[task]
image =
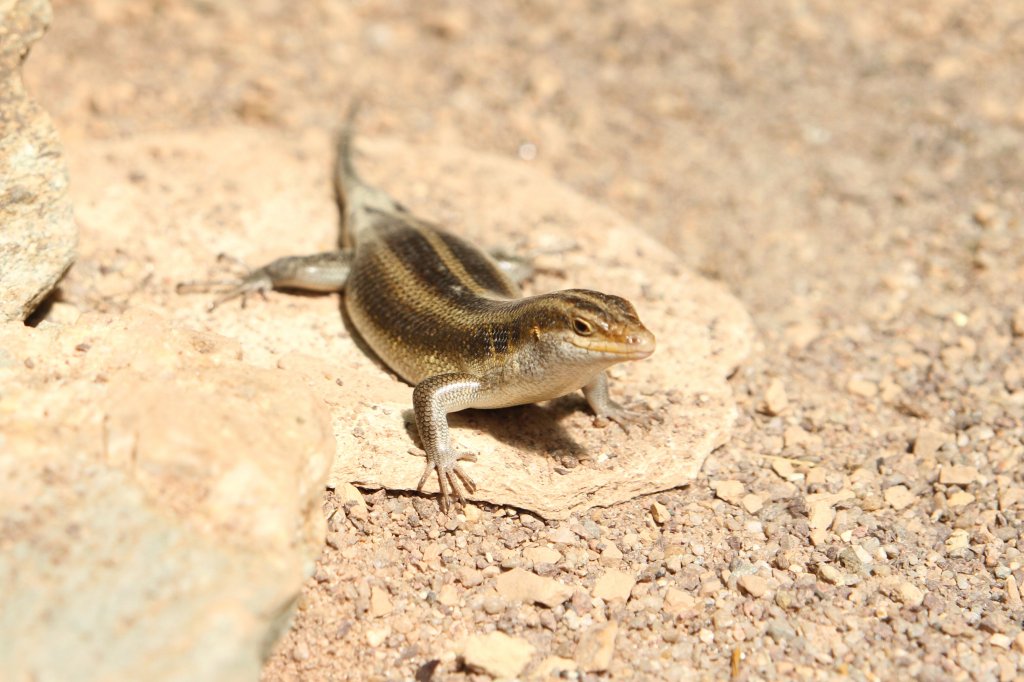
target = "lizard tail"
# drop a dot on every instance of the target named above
(345, 175)
(360, 204)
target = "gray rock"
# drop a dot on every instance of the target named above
(38, 236)
(160, 502)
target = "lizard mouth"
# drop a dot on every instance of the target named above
(633, 346)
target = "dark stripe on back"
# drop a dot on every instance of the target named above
(408, 295)
(479, 266)
(429, 269)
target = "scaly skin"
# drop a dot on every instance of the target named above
(444, 316)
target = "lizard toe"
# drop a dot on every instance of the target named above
(627, 418)
(451, 479)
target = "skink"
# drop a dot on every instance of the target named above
(447, 318)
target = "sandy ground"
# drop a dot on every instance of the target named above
(851, 170)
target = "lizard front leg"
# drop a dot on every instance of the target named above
(596, 393)
(432, 399)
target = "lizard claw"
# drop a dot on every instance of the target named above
(251, 282)
(449, 477)
(255, 283)
(626, 418)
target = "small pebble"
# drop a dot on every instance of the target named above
(614, 584)
(752, 503)
(754, 585)
(470, 577)
(928, 442)
(376, 636)
(728, 491)
(1017, 324)
(542, 555)
(493, 605)
(797, 437)
(780, 630)
(960, 499)
(830, 574)
(497, 654)
(677, 600)
(1000, 640)
(380, 602)
(958, 540)
(1013, 599)
(958, 475)
(350, 496)
(820, 515)
(597, 647)
(910, 594)
(862, 387)
(899, 497)
(775, 399)
(984, 213)
(448, 595)
(562, 536)
(659, 513)
(994, 622)
(611, 552)
(520, 585)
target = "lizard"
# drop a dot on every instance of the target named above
(451, 321)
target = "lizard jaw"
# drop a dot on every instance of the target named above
(636, 345)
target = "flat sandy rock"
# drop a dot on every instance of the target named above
(157, 210)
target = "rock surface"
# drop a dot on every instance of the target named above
(173, 205)
(147, 476)
(37, 230)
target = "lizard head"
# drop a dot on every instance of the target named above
(589, 326)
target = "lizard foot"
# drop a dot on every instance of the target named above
(521, 267)
(643, 417)
(249, 282)
(449, 476)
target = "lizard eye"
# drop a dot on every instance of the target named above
(582, 327)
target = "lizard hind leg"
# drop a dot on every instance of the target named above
(522, 267)
(247, 281)
(323, 272)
